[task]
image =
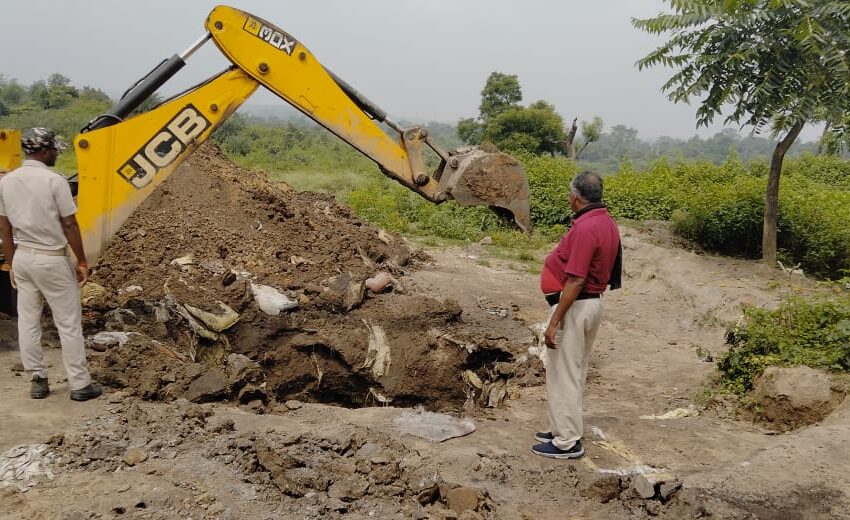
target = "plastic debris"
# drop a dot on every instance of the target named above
(215, 322)
(436, 427)
(378, 353)
(491, 308)
(110, 339)
(22, 467)
(678, 413)
(272, 301)
(379, 282)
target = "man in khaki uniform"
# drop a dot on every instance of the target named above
(36, 203)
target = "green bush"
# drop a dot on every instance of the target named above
(814, 333)
(724, 217)
(649, 195)
(721, 207)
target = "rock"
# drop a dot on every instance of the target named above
(653, 508)
(131, 291)
(135, 456)
(209, 386)
(92, 294)
(117, 397)
(603, 489)
(792, 397)
(335, 504)
(462, 499)
(643, 486)
(215, 508)
(486, 241)
(228, 279)
(105, 451)
(349, 488)
(221, 425)
(648, 485)
(471, 515)
(668, 489)
(343, 293)
(240, 368)
(293, 404)
(370, 450)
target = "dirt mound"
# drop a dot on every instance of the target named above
(787, 398)
(219, 261)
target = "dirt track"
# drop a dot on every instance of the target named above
(353, 463)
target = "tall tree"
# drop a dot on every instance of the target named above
(590, 133)
(500, 92)
(537, 129)
(773, 63)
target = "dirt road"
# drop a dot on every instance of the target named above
(212, 460)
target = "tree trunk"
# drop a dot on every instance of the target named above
(771, 199)
(581, 150)
(822, 143)
(570, 142)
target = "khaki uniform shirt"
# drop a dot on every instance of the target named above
(33, 198)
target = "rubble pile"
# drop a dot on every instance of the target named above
(220, 261)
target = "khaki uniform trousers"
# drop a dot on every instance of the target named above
(42, 277)
(566, 370)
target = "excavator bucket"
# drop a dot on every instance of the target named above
(481, 177)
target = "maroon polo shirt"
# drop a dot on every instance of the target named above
(587, 251)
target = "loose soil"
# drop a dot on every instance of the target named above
(246, 449)
(232, 228)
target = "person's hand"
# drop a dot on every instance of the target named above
(549, 337)
(82, 273)
(12, 279)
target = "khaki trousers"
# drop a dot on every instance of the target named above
(566, 370)
(52, 278)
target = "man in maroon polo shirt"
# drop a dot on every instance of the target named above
(575, 274)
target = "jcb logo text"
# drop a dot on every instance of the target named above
(165, 147)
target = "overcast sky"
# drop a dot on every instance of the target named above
(420, 60)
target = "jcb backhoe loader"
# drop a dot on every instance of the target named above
(120, 161)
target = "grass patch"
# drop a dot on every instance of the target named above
(812, 331)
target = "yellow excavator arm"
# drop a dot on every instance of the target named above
(10, 150)
(121, 161)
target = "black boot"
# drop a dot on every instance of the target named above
(84, 394)
(39, 388)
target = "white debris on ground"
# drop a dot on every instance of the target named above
(270, 300)
(678, 413)
(436, 427)
(22, 467)
(110, 338)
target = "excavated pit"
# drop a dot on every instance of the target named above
(190, 259)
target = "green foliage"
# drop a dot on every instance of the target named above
(641, 196)
(814, 333)
(549, 182)
(769, 61)
(500, 92)
(389, 205)
(724, 217)
(721, 207)
(537, 129)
